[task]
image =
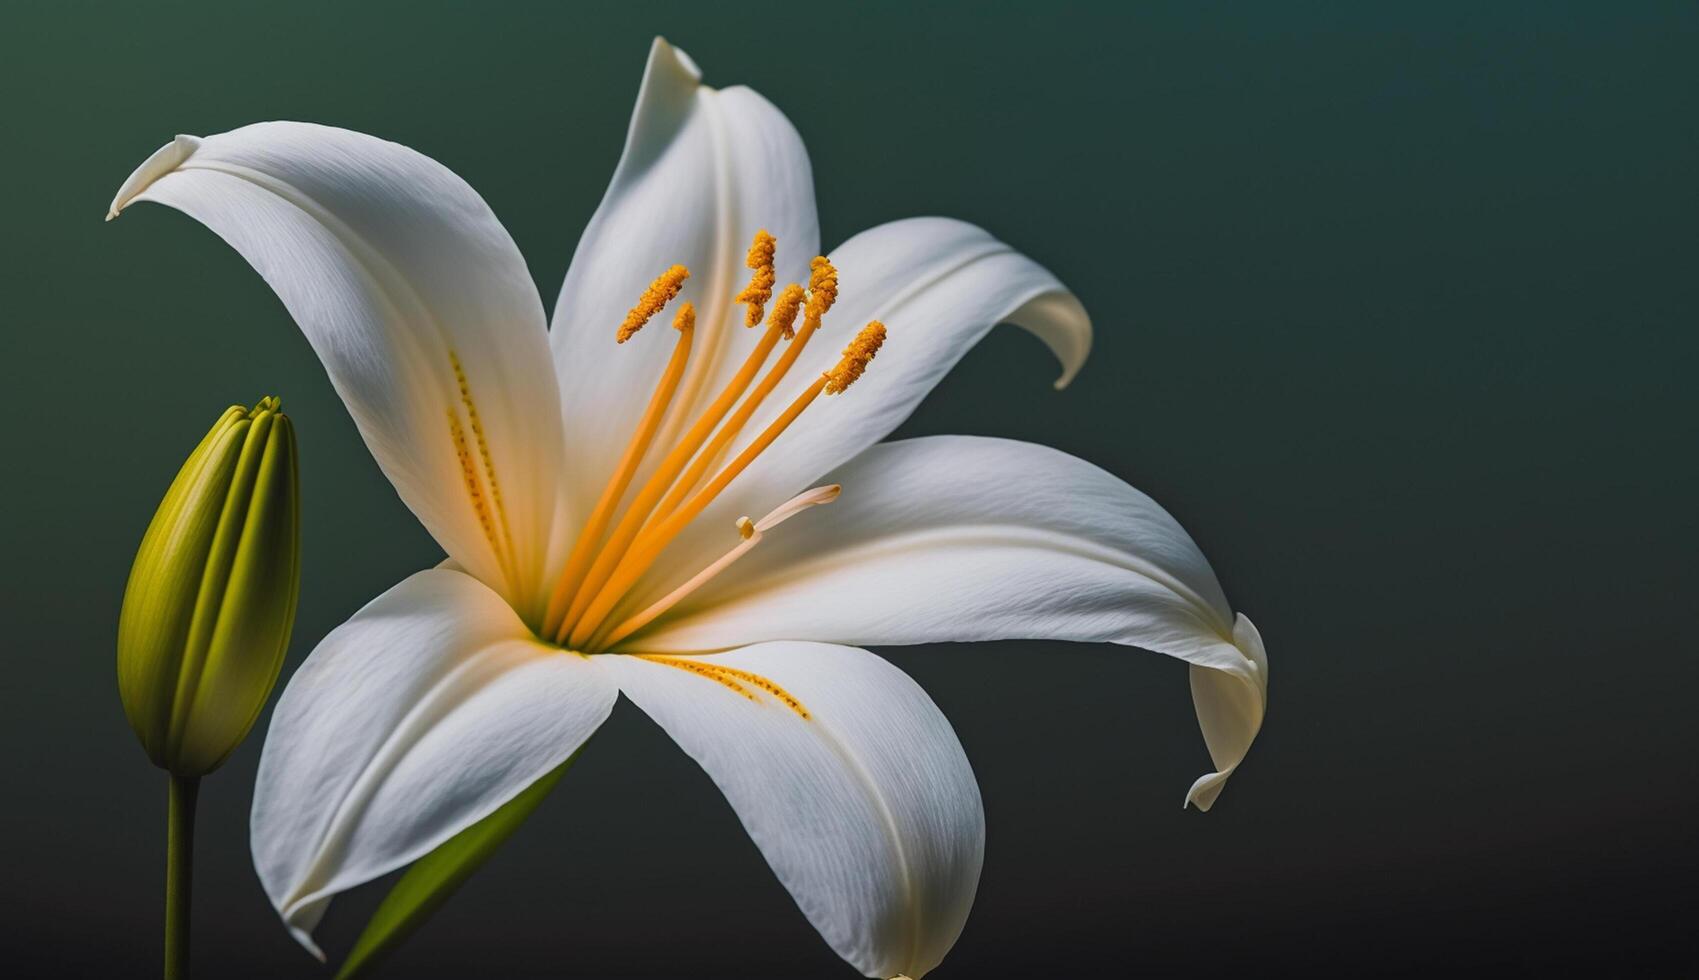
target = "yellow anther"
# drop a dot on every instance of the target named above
(822, 289)
(659, 294)
(745, 527)
(686, 319)
(860, 350)
(784, 311)
(760, 288)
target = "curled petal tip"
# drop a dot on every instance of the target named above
(164, 160)
(1231, 701)
(1070, 371)
(1204, 792)
(1063, 324)
(1071, 367)
(663, 48)
(305, 938)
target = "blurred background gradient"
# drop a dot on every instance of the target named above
(1396, 311)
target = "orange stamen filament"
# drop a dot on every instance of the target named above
(822, 293)
(648, 547)
(644, 552)
(605, 565)
(584, 548)
(626, 530)
(785, 312)
(751, 533)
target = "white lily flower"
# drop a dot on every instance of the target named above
(589, 496)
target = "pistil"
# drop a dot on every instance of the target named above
(750, 531)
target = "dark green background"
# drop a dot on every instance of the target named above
(1395, 310)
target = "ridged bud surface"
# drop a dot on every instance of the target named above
(211, 597)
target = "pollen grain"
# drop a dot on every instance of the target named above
(862, 349)
(760, 288)
(659, 294)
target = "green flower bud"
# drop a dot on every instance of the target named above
(212, 593)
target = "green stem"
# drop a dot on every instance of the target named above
(179, 871)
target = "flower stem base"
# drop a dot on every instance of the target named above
(179, 872)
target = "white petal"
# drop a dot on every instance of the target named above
(418, 717)
(963, 538)
(938, 285)
(866, 809)
(702, 171)
(1230, 706)
(393, 267)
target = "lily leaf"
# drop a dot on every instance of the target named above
(435, 877)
